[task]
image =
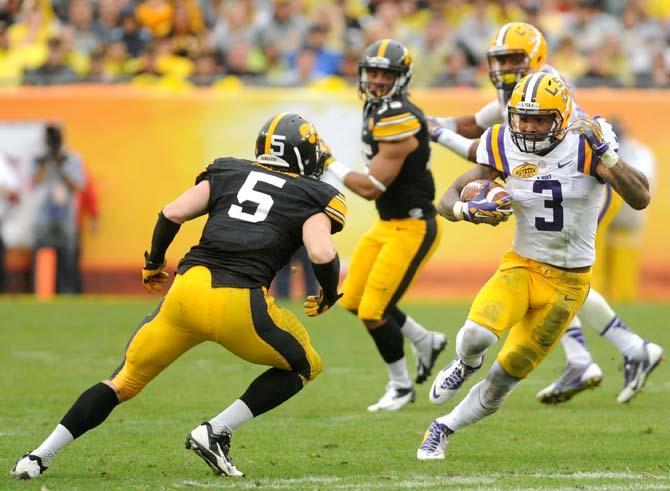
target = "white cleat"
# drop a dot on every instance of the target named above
(435, 442)
(213, 449)
(637, 371)
(573, 380)
(28, 467)
(393, 399)
(449, 380)
(426, 351)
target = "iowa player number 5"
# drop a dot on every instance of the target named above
(247, 193)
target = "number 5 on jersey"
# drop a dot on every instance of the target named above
(247, 193)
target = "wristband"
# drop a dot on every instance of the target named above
(455, 142)
(459, 209)
(609, 159)
(328, 276)
(339, 170)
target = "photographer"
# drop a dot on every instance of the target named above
(58, 176)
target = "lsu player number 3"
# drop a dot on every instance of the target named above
(554, 174)
(259, 213)
(387, 258)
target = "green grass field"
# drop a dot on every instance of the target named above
(323, 438)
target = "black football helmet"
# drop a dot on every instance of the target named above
(289, 142)
(386, 54)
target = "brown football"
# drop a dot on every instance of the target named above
(493, 190)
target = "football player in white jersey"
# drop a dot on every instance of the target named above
(554, 174)
(516, 50)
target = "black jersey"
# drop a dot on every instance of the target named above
(255, 221)
(412, 192)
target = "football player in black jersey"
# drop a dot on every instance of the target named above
(259, 213)
(397, 149)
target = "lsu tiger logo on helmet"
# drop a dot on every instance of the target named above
(515, 50)
(539, 110)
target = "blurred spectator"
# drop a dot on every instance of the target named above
(206, 71)
(81, 19)
(570, 63)
(297, 42)
(457, 72)
(11, 71)
(156, 16)
(233, 24)
(131, 34)
(9, 194)
(58, 177)
(326, 62)
(284, 26)
(599, 74)
(109, 13)
(54, 71)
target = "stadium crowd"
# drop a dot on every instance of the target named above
(615, 43)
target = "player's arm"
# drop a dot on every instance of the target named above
(316, 235)
(631, 184)
(450, 206)
(461, 134)
(384, 168)
(191, 204)
(628, 182)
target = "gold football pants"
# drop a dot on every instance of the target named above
(385, 262)
(536, 302)
(245, 321)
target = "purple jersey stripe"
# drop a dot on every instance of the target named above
(501, 148)
(581, 158)
(489, 147)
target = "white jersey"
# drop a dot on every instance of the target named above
(495, 112)
(555, 197)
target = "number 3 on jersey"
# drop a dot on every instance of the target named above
(247, 193)
(554, 204)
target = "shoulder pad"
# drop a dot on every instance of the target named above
(396, 120)
(336, 209)
(219, 165)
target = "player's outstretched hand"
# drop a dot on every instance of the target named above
(593, 133)
(316, 305)
(153, 276)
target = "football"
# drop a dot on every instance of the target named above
(492, 191)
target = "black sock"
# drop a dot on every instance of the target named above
(398, 316)
(271, 389)
(389, 340)
(91, 409)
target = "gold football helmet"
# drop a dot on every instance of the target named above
(515, 50)
(539, 110)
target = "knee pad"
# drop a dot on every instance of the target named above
(473, 339)
(496, 387)
(126, 388)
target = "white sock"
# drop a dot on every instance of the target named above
(472, 342)
(232, 417)
(574, 345)
(467, 412)
(59, 437)
(413, 331)
(599, 316)
(398, 374)
(627, 342)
